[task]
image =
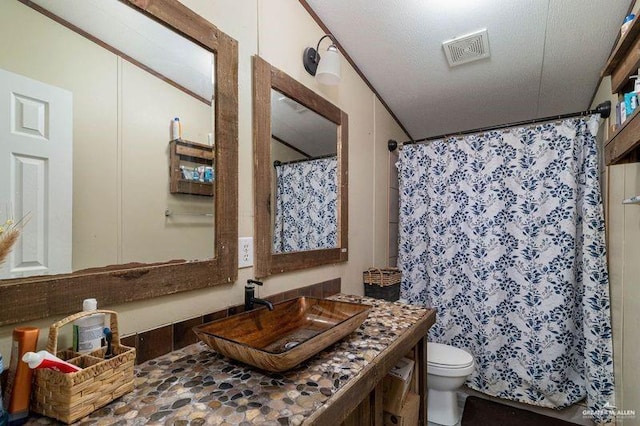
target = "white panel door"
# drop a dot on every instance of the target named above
(36, 140)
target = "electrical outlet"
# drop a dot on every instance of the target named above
(245, 252)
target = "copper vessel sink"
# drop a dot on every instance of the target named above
(279, 340)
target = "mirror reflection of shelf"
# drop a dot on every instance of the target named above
(632, 200)
(183, 151)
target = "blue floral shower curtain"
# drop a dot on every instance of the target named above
(503, 233)
(306, 206)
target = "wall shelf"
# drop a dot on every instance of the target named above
(625, 57)
(183, 151)
(624, 145)
(624, 141)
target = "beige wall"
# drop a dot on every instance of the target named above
(146, 107)
(386, 193)
(623, 247)
(281, 152)
(279, 30)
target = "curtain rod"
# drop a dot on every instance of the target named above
(604, 109)
(277, 163)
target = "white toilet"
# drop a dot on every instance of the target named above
(447, 370)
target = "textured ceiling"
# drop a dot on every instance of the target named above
(546, 56)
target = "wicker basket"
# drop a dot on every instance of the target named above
(71, 396)
(382, 283)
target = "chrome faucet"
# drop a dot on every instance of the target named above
(250, 300)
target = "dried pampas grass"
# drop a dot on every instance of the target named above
(9, 234)
(7, 239)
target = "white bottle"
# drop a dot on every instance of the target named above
(176, 129)
(88, 331)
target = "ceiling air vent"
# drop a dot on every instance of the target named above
(472, 47)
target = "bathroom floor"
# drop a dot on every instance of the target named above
(571, 414)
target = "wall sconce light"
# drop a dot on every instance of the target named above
(327, 70)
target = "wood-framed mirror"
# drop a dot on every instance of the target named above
(300, 174)
(130, 279)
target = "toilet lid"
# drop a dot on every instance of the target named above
(447, 356)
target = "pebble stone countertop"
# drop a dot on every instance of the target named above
(197, 386)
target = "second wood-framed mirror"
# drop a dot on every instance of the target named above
(300, 174)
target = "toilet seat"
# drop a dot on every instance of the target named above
(447, 356)
(450, 367)
(448, 361)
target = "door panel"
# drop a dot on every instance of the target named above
(36, 174)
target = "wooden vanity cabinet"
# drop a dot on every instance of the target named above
(359, 403)
(370, 411)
